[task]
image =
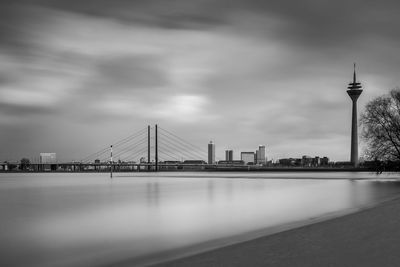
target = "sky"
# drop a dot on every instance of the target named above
(76, 76)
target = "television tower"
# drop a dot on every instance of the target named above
(354, 92)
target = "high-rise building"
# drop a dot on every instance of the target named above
(261, 155)
(247, 157)
(48, 158)
(354, 92)
(211, 153)
(229, 155)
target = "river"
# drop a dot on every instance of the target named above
(88, 219)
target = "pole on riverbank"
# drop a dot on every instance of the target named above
(148, 148)
(156, 146)
(111, 160)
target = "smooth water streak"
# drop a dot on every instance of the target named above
(55, 219)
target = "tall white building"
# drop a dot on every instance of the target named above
(211, 153)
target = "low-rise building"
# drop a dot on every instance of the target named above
(231, 162)
(193, 164)
(48, 161)
(48, 158)
(248, 157)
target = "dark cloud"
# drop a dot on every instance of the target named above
(6, 79)
(308, 23)
(11, 34)
(25, 110)
(131, 79)
(174, 14)
(136, 72)
(327, 23)
(15, 28)
(312, 22)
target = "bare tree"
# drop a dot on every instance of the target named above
(381, 126)
(25, 163)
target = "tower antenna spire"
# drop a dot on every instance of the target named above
(354, 74)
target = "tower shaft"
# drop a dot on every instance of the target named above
(354, 136)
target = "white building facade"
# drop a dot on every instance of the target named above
(248, 157)
(48, 158)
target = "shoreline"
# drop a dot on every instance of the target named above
(221, 252)
(218, 170)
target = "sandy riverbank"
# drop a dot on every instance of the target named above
(370, 237)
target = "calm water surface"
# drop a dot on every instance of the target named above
(56, 219)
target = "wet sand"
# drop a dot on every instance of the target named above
(370, 237)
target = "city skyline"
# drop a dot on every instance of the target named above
(259, 155)
(77, 77)
(124, 154)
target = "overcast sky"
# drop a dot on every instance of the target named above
(76, 76)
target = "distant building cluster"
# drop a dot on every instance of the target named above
(304, 161)
(255, 158)
(246, 158)
(259, 157)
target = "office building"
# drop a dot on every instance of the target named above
(248, 157)
(229, 155)
(261, 155)
(211, 153)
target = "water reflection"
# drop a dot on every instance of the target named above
(46, 218)
(359, 193)
(229, 188)
(152, 193)
(210, 190)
